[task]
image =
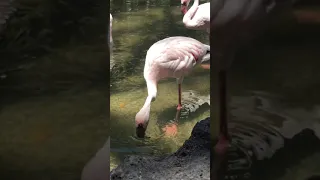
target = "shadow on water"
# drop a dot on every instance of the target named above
(53, 89)
(284, 62)
(136, 26)
(271, 140)
(283, 135)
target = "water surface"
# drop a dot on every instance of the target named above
(282, 62)
(136, 26)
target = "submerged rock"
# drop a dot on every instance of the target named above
(190, 162)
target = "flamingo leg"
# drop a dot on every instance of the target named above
(179, 94)
(224, 138)
(179, 107)
(177, 116)
(179, 82)
(223, 141)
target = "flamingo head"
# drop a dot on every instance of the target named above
(184, 6)
(142, 120)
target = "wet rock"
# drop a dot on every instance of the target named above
(190, 162)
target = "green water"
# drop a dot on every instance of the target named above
(136, 26)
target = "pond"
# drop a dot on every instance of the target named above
(281, 62)
(136, 26)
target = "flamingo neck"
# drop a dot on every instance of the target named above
(111, 40)
(190, 13)
(110, 30)
(152, 89)
(142, 116)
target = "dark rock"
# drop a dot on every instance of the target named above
(191, 161)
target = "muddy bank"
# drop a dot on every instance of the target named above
(191, 161)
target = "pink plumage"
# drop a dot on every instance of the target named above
(173, 57)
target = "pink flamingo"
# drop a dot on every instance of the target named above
(197, 17)
(171, 57)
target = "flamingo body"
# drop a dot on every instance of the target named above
(173, 57)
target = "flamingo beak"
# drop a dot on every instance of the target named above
(183, 7)
(140, 131)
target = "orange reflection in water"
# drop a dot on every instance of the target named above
(170, 129)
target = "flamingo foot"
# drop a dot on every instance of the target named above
(222, 146)
(179, 107)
